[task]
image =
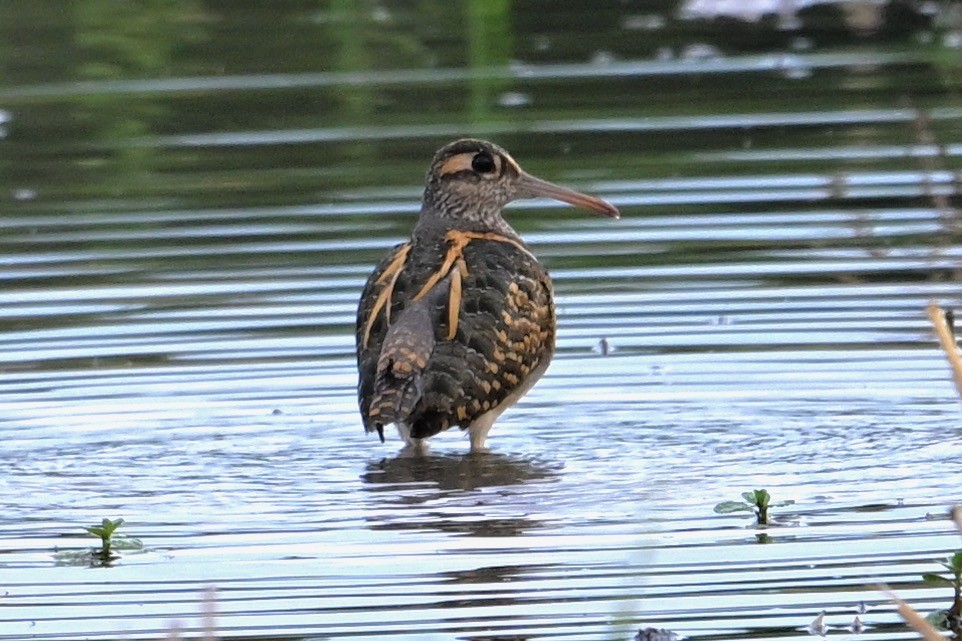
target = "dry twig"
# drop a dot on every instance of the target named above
(947, 341)
(914, 619)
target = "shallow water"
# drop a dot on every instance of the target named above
(192, 208)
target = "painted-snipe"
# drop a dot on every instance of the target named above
(457, 323)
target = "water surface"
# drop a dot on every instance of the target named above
(194, 196)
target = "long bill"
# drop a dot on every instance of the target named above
(531, 187)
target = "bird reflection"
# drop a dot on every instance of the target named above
(450, 486)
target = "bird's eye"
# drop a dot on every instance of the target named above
(483, 163)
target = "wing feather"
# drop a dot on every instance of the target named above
(449, 331)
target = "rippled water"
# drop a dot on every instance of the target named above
(193, 203)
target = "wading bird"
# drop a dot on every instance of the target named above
(458, 323)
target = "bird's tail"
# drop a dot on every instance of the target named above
(399, 381)
(394, 401)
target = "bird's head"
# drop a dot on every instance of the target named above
(470, 181)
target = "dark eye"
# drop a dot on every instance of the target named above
(483, 163)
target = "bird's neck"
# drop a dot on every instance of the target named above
(440, 215)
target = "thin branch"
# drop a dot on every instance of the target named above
(913, 618)
(947, 341)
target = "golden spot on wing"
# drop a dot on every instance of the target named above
(462, 238)
(462, 412)
(511, 378)
(458, 241)
(454, 298)
(492, 367)
(386, 281)
(454, 257)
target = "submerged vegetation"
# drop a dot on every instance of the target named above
(757, 501)
(951, 618)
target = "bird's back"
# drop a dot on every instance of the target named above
(451, 328)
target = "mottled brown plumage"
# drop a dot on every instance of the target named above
(457, 323)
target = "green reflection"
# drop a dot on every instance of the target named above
(127, 40)
(489, 46)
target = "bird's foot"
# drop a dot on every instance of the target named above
(414, 448)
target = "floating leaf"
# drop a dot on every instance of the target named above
(955, 562)
(727, 507)
(762, 498)
(749, 498)
(936, 579)
(127, 543)
(938, 619)
(782, 503)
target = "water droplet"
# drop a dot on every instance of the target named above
(602, 58)
(700, 51)
(817, 627)
(794, 67)
(643, 22)
(953, 39)
(857, 627)
(604, 347)
(514, 99)
(664, 53)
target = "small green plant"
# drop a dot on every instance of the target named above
(757, 501)
(948, 618)
(105, 531)
(103, 556)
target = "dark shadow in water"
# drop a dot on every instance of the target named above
(449, 487)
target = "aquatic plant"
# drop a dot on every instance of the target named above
(951, 618)
(105, 555)
(757, 501)
(105, 531)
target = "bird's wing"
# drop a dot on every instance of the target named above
(471, 327)
(500, 342)
(373, 319)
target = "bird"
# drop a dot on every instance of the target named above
(458, 322)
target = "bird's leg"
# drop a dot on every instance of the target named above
(478, 431)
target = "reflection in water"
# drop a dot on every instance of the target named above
(449, 494)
